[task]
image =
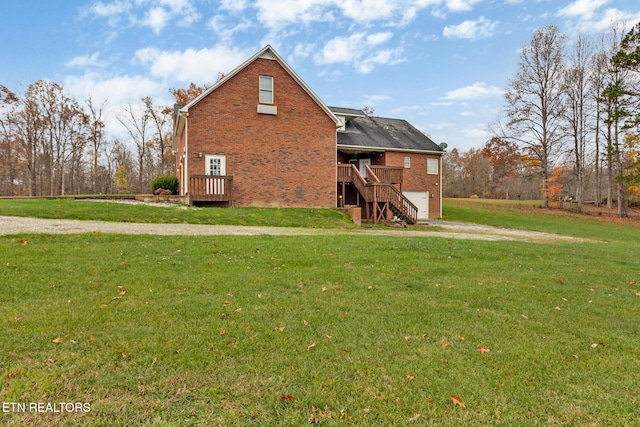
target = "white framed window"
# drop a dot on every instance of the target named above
(432, 166)
(215, 165)
(407, 162)
(266, 90)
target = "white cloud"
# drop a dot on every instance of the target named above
(373, 100)
(441, 125)
(468, 114)
(233, 5)
(118, 90)
(302, 51)
(378, 38)
(476, 133)
(156, 19)
(110, 9)
(198, 66)
(461, 5)
(219, 24)
(588, 15)
(85, 61)
(359, 50)
(477, 90)
(278, 15)
(473, 30)
(155, 14)
(582, 8)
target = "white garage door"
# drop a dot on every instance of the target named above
(421, 200)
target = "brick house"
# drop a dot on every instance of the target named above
(261, 137)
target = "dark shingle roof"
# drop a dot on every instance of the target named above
(384, 133)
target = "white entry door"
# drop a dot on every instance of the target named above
(215, 165)
(362, 165)
(421, 200)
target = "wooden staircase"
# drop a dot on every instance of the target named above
(382, 197)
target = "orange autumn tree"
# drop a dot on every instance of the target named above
(552, 187)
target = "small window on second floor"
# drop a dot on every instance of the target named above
(407, 162)
(266, 90)
(432, 166)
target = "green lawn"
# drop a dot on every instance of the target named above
(138, 212)
(342, 330)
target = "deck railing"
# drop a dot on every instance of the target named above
(210, 188)
(388, 174)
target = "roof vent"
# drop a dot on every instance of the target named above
(267, 55)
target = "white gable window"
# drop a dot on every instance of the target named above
(432, 166)
(266, 90)
(407, 162)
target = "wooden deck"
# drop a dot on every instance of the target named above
(380, 195)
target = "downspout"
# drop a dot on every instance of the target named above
(441, 201)
(185, 115)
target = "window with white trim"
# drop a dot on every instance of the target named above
(266, 90)
(432, 166)
(407, 162)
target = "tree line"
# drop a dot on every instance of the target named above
(569, 128)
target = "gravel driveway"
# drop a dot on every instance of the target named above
(18, 225)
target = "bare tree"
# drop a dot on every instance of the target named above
(597, 82)
(8, 148)
(136, 121)
(577, 111)
(160, 116)
(96, 137)
(534, 99)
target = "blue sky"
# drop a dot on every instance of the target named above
(440, 64)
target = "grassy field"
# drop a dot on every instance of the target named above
(338, 330)
(142, 213)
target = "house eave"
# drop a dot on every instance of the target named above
(362, 148)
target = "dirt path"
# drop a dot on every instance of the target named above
(18, 225)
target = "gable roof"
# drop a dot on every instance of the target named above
(382, 134)
(266, 52)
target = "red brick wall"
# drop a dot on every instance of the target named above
(416, 177)
(286, 160)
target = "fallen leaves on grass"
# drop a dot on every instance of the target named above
(410, 377)
(310, 346)
(314, 417)
(414, 418)
(21, 242)
(483, 350)
(456, 401)
(287, 397)
(58, 340)
(12, 375)
(444, 343)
